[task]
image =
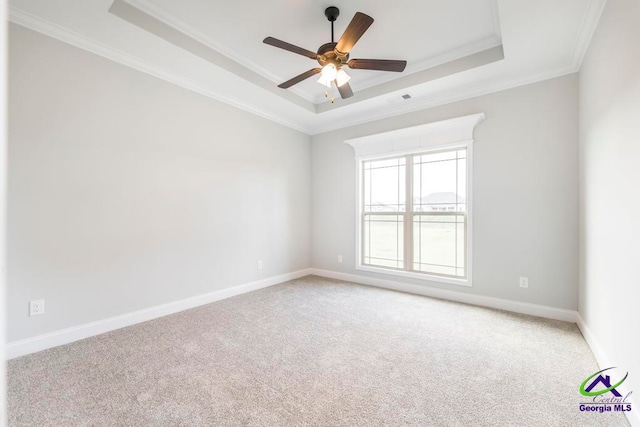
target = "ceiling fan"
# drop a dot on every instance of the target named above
(333, 56)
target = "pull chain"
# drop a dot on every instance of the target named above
(326, 95)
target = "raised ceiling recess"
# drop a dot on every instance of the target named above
(453, 49)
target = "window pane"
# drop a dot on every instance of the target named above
(439, 182)
(461, 246)
(439, 244)
(437, 234)
(384, 185)
(435, 157)
(462, 184)
(384, 240)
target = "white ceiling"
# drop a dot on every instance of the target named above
(455, 49)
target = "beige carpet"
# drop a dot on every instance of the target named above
(314, 352)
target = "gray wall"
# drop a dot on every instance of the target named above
(610, 188)
(525, 193)
(127, 192)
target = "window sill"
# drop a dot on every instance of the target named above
(421, 276)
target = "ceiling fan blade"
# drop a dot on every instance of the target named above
(291, 48)
(299, 78)
(377, 64)
(354, 31)
(345, 90)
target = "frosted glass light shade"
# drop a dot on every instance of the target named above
(329, 72)
(324, 82)
(342, 77)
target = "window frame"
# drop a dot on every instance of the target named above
(467, 281)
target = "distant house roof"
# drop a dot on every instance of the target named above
(444, 198)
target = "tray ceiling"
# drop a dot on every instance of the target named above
(455, 48)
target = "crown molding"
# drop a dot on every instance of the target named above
(427, 64)
(160, 29)
(495, 15)
(147, 7)
(161, 15)
(587, 29)
(318, 125)
(408, 82)
(65, 35)
(448, 98)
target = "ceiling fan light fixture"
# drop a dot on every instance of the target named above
(329, 72)
(328, 75)
(342, 77)
(324, 82)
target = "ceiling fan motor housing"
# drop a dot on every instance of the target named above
(327, 55)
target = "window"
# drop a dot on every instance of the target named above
(414, 213)
(414, 189)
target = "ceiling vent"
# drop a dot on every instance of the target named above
(397, 99)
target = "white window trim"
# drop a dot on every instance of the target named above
(448, 134)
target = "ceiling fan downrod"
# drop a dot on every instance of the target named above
(332, 14)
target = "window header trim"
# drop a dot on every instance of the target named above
(446, 132)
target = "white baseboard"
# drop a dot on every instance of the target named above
(604, 362)
(484, 301)
(601, 358)
(69, 335)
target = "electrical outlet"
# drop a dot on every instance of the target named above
(524, 282)
(260, 264)
(36, 307)
(340, 259)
